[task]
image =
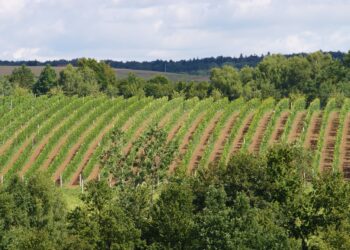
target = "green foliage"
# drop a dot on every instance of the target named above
(147, 161)
(22, 77)
(32, 215)
(227, 80)
(6, 87)
(46, 81)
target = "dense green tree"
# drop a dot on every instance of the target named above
(172, 220)
(131, 86)
(227, 80)
(147, 160)
(6, 88)
(23, 77)
(101, 223)
(46, 81)
(32, 215)
(105, 75)
(159, 86)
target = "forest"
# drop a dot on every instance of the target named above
(191, 66)
(315, 75)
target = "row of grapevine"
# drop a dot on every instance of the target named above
(282, 105)
(47, 128)
(331, 105)
(108, 118)
(158, 114)
(231, 109)
(20, 117)
(25, 135)
(266, 106)
(54, 143)
(313, 107)
(214, 109)
(245, 111)
(343, 113)
(297, 106)
(122, 119)
(58, 164)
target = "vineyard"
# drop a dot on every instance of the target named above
(65, 136)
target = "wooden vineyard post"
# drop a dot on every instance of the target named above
(2, 179)
(80, 179)
(82, 186)
(99, 177)
(61, 181)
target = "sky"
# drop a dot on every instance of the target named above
(145, 30)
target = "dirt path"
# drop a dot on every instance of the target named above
(184, 144)
(221, 141)
(198, 152)
(254, 147)
(326, 161)
(344, 163)
(313, 131)
(15, 157)
(297, 126)
(239, 139)
(279, 128)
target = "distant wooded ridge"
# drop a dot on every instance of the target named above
(191, 66)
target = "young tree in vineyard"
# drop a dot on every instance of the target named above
(147, 161)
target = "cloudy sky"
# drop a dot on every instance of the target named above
(169, 29)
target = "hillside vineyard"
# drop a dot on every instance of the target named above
(65, 136)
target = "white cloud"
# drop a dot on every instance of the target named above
(169, 29)
(11, 8)
(25, 53)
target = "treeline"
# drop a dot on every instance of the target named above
(315, 75)
(192, 66)
(269, 201)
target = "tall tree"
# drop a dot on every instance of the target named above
(23, 77)
(46, 81)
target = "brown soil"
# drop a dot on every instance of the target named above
(279, 128)
(326, 161)
(239, 139)
(345, 149)
(254, 147)
(221, 141)
(313, 131)
(297, 127)
(198, 152)
(186, 140)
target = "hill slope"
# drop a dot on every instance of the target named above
(65, 135)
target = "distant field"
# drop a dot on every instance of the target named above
(121, 73)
